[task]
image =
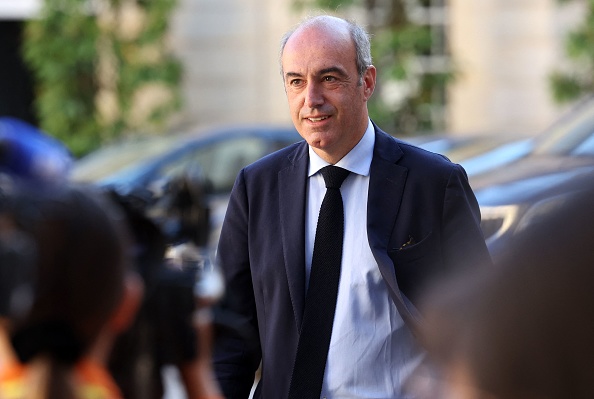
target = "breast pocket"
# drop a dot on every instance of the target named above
(415, 265)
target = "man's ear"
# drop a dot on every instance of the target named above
(369, 81)
(125, 312)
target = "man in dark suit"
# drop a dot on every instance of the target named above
(410, 218)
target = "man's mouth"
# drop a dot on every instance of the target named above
(321, 118)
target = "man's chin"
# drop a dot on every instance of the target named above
(316, 133)
(318, 141)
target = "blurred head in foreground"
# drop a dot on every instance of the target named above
(525, 328)
(65, 290)
(65, 287)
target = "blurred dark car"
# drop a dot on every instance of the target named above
(476, 153)
(559, 164)
(216, 154)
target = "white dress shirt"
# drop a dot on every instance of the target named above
(372, 352)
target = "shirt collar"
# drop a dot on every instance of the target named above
(358, 160)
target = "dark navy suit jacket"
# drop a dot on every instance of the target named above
(415, 197)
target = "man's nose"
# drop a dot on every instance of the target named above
(313, 95)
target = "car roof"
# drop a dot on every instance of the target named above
(139, 149)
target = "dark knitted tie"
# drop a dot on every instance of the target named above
(320, 302)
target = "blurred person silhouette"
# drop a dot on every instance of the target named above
(334, 314)
(174, 326)
(66, 287)
(67, 291)
(524, 328)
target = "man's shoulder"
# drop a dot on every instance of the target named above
(410, 153)
(414, 150)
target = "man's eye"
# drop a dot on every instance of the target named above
(329, 79)
(295, 82)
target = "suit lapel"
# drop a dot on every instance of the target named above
(292, 184)
(386, 185)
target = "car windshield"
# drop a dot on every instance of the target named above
(114, 158)
(218, 160)
(152, 162)
(572, 135)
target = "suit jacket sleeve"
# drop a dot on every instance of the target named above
(464, 244)
(236, 352)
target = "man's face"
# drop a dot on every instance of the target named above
(327, 99)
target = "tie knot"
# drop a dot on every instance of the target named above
(334, 176)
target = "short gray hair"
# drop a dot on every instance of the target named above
(359, 35)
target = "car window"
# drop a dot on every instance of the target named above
(569, 134)
(277, 145)
(220, 162)
(586, 147)
(112, 159)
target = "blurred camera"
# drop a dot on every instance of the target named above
(170, 228)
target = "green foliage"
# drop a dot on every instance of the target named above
(578, 80)
(82, 58)
(141, 59)
(406, 95)
(396, 50)
(60, 49)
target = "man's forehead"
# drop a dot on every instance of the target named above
(319, 57)
(320, 33)
(325, 25)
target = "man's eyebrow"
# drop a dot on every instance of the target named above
(337, 70)
(292, 75)
(324, 71)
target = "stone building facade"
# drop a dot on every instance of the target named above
(229, 49)
(503, 51)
